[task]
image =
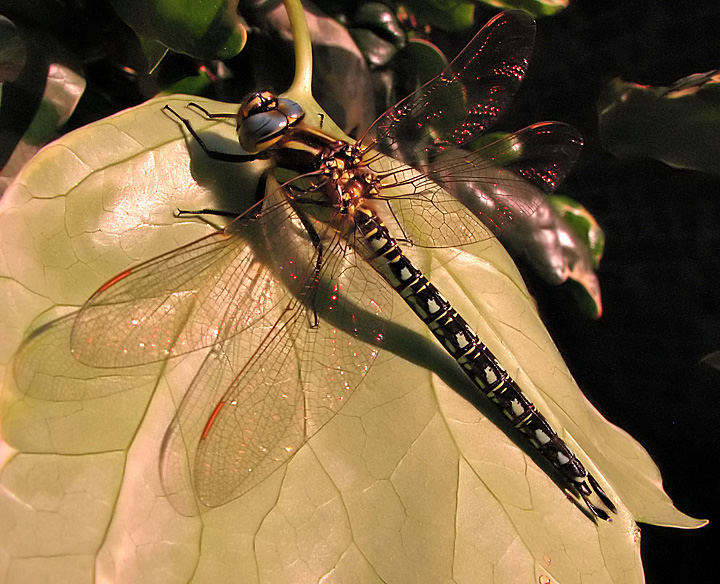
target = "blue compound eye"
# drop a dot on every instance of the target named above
(291, 109)
(263, 120)
(261, 130)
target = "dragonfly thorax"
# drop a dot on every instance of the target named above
(348, 180)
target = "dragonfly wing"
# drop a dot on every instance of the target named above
(543, 154)
(259, 396)
(504, 177)
(479, 84)
(45, 369)
(192, 297)
(237, 423)
(355, 305)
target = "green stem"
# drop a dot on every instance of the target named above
(303, 48)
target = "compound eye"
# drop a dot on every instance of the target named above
(264, 118)
(291, 109)
(258, 102)
(260, 130)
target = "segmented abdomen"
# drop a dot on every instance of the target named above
(476, 360)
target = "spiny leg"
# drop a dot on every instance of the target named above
(214, 154)
(209, 115)
(216, 212)
(318, 244)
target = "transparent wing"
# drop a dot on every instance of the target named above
(478, 84)
(192, 297)
(45, 369)
(426, 205)
(239, 421)
(259, 396)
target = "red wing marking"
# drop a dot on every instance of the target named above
(211, 421)
(113, 281)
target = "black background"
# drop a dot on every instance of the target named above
(640, 362)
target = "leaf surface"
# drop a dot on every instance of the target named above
(408, 483)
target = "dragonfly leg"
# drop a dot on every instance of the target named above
(214, 154)
(217, 212)
(256, 208)
(318, 245)
(404, 238)
(316, 281)
(209, 115)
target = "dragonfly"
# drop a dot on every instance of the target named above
(304, 281)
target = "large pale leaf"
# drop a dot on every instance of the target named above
(408, 483)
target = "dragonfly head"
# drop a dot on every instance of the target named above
(263, 119)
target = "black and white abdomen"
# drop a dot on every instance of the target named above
(476, 360)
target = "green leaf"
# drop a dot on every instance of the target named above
(582, 242)
(535, 7)
(678, 125)
(444, 14)
(206, 30)
(408, 483)
(583, 224)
